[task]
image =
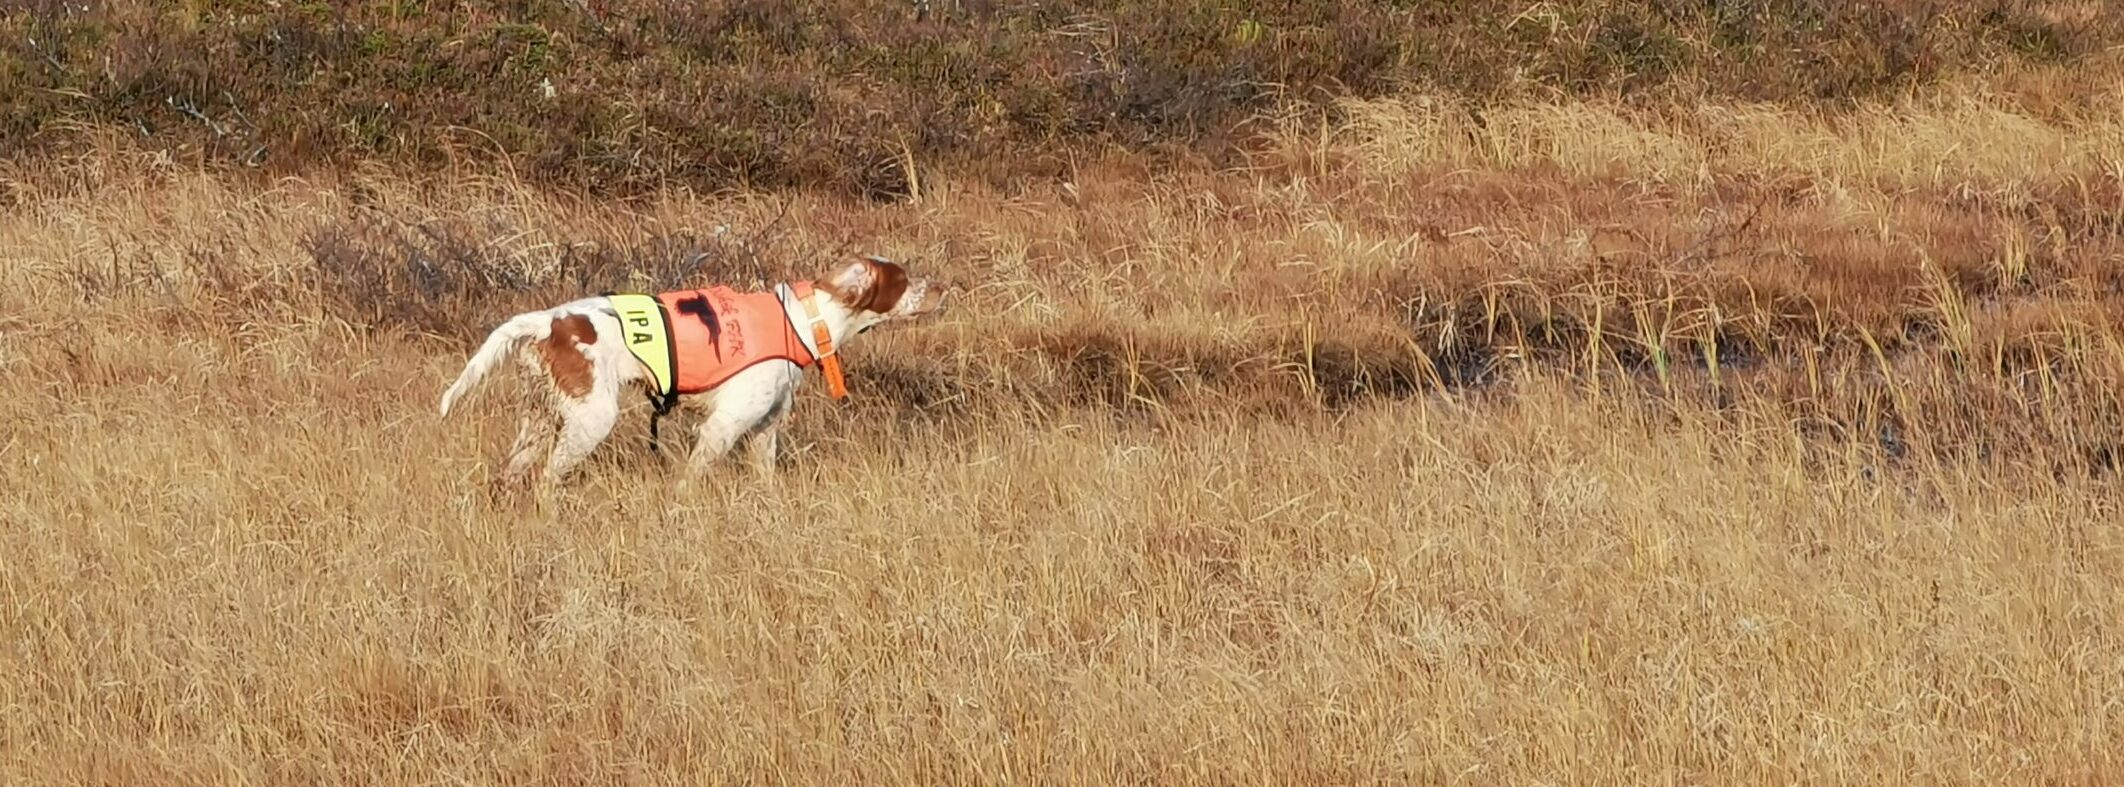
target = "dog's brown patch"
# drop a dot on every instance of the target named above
(888, 288)
(564, 358)
(880, 291)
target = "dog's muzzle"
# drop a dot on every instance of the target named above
(934, 299)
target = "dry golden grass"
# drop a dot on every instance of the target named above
(1740, 446)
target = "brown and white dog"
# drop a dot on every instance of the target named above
(580, 354)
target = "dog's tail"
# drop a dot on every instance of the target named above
(503, 341)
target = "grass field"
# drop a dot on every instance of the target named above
(1535, 442)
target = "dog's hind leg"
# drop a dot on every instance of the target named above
(534, 432)
(584, 424)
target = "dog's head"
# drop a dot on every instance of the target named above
(877, 290)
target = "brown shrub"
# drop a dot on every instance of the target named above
(846, 95)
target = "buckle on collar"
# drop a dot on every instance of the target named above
(822, 339)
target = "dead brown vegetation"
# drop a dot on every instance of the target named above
(1581, 443)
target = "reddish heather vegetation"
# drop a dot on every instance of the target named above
(622, 95)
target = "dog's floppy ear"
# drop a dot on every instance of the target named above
(851, 283)
(872, 284)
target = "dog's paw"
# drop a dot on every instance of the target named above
(506, 490)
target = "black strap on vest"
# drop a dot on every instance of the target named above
(663, 405)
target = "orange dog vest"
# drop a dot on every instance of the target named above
(693, 340)
(718, 332)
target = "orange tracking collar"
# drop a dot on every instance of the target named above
(829, 361)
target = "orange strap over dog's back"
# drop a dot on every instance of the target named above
(829, 361)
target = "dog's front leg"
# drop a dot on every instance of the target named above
(718, 433)
(752, 403)
(766, 445)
